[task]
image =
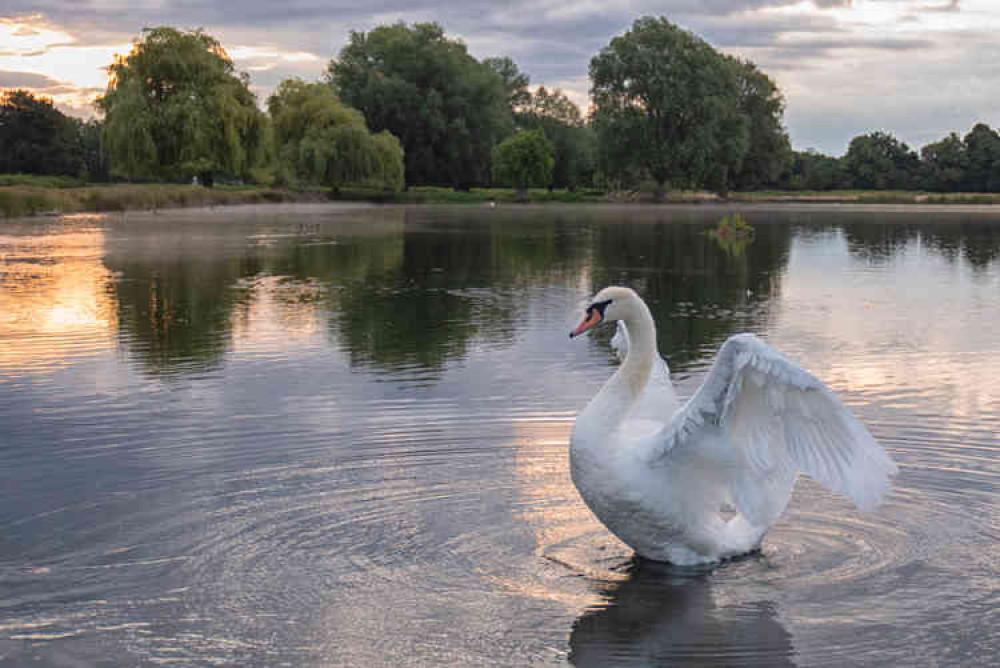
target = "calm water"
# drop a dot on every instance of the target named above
(338, 437)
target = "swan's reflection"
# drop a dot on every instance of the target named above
(663, 615)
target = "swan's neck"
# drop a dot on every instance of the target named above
(633, 375)
(611, 406)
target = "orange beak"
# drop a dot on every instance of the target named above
(592, 319)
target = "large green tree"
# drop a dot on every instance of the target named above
(321, 140)
(879, 161)
(447, 108)
(176, 107)
(37, 138)
(944, 164)
(982, 146)
(524, 159)
(669, 104)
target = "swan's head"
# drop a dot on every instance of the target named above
(610, 304)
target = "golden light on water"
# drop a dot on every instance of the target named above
(54, 301)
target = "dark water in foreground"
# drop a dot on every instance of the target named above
(320, 437)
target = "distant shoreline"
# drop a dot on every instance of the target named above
(41, 200)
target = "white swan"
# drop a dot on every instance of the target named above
(704, 481)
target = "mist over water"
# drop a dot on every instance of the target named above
(321, 435)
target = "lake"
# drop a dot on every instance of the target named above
(325, 435)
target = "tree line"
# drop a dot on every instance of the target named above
(407, 105)
(880, 161)
(37, 138)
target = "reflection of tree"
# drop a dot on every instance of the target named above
(661, 616)
(448, 289)
(403, 288)
(698, 293)
(526, 249)
(361, 248)
(181, 287)
(875, 242)
(977, 241)
(175, 304)
(952, 237)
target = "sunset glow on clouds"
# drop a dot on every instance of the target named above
(917, 68)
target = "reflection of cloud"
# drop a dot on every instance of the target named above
(280, 313)
(898, 331)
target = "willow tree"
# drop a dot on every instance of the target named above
(176, 107)
(523, 160)
(321, 140)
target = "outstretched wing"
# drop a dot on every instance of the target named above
(759, 417)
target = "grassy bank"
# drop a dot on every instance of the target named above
(60, 196)
(437, 195)
(22, 195)
(867, 197)
(432, 195)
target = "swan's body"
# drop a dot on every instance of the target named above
(705, 481)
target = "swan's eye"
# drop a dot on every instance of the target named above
(600, 306)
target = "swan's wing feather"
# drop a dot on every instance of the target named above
(760, 417)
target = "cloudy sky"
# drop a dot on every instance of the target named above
(917, 68)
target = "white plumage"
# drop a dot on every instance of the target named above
(705, 481)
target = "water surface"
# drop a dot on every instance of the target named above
(316, 435)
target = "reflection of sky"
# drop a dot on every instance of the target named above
(906, 330)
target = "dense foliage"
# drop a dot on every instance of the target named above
(515, 81)
(175, 107)
(982, 150)
(880, 161)
(573, 141)
(769, 150)
(667, 106)
(37, 138)
(447, 108)
(523, 160)
(319, 140)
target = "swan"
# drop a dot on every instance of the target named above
(704, 481)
